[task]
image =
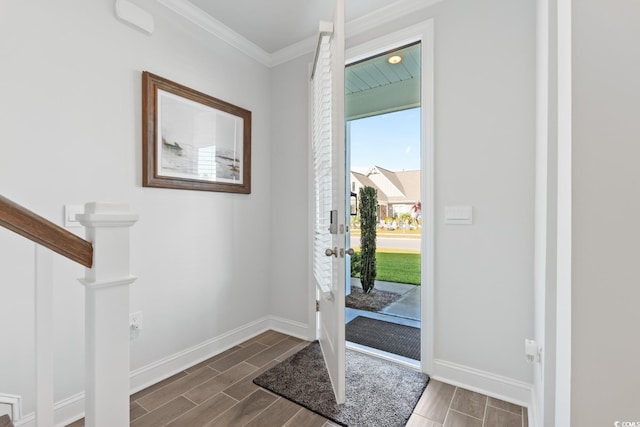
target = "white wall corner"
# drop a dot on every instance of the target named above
(293, 328)
(135, 15)
(494, 385)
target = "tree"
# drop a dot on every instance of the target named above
(368, 222)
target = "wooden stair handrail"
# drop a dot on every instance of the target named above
(42, 231)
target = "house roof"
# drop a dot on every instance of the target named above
(390, 175)
(407, 183)
(410, 182)
(366, 182)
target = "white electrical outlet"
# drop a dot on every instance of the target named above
(135, 324)
(532, 351)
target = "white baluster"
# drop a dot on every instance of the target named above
(44, 335)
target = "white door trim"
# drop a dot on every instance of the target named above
(424, 33)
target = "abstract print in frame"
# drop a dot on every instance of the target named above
(193, 141)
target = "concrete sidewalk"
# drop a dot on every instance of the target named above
(408, 306)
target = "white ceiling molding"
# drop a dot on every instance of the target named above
(205, 21)
(386, 14)
(294, 51)
(354, 27)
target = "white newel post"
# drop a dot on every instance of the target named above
(107, 314)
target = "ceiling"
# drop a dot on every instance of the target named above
(276, 24)
(276, 31)
(377, 72)
(374, 86)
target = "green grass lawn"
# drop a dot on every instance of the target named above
(398, 267)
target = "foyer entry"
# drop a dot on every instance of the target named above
(383, 140)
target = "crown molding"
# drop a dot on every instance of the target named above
(354, 27)
(386, 14)
(205, 21)
(296, 50)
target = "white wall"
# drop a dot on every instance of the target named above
(606, 181)
(70, 132)
(484, 145)
(485, 154)
(485, 158)
(290, 291)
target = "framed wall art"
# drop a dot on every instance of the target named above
(193, 141)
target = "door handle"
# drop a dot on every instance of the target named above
(334, 252)
(331, 252)
(349, 252)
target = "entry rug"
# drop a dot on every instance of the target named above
(379, 393)
(386, 336)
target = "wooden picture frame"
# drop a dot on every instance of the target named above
(193, 141)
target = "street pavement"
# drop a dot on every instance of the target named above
(401, 243)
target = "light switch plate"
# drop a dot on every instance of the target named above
(70, 212)
(458, 215)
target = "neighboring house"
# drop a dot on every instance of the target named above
(358, 181)
(397, 192)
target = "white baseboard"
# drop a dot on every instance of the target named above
(65, 412)
(488, 383)
(145, 376)
(28, 420)
(72, 408)
(68, 410)
(290, 327)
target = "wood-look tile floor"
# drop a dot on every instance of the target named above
(220, 392)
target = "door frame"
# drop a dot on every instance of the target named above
(424, 34)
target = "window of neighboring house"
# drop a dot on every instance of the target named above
(400, 209)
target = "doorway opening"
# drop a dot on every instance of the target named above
(383, 144)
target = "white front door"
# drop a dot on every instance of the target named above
(329, 201)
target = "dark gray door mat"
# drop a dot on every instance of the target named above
(379, 393)
(386, 336)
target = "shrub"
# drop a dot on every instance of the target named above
(368, 218)
(356, 264)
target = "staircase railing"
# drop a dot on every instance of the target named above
(105, 254)
(42, 231)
